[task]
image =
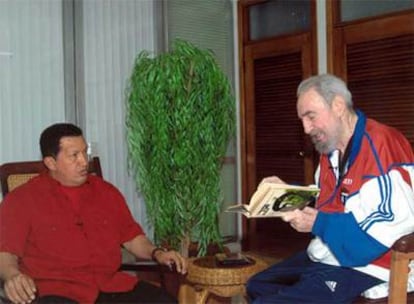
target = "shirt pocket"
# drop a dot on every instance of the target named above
(60, 239)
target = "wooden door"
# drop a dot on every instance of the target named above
(376, 57)
(274, 138)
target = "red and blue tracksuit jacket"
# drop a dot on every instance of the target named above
(364, 211)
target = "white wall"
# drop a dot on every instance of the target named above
(321, 32)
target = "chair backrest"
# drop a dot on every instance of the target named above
(15, 174)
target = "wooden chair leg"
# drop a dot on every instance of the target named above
(187, 294)
(399, 278)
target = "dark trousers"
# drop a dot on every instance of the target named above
(143, 293)
(300, 280)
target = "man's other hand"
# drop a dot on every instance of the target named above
(20, 289)
(171, 258)
(301, 220)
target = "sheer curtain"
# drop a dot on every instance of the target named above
(112, 34)
(31, 78)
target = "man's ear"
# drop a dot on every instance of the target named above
(339, 106)
(50, 163)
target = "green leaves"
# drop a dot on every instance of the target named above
(180, 117)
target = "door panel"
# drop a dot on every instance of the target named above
(275, 142)
(376, 57)
(277, 147)
(274, 134)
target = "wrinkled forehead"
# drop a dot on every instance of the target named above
(310, 102)
(73, 143)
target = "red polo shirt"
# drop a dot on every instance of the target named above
(72, 252)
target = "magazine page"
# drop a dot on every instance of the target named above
(271, 200)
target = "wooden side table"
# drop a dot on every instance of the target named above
(205, 276)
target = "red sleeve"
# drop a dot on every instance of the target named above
(128, 227)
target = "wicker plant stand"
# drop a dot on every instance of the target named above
(205, 277)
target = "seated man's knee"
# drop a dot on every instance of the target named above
(251, 288)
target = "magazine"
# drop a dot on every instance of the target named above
(271, 200)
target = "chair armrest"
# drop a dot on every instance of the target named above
(140, 265)
(405, 243)
(144, 265)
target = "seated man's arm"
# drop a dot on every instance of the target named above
(377, 215)
(19, 288)
(142, 247)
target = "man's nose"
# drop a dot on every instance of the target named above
(83, 159)
(307, 126)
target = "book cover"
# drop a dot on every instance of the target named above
(232, 259)
(271, 200)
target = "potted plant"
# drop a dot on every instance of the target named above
(180, 118)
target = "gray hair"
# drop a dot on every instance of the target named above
(327, 86)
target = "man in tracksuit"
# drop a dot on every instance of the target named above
(366, 203)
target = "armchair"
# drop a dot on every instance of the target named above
(15, 174)
(402, 253)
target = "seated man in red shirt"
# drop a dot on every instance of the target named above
(62, 231)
